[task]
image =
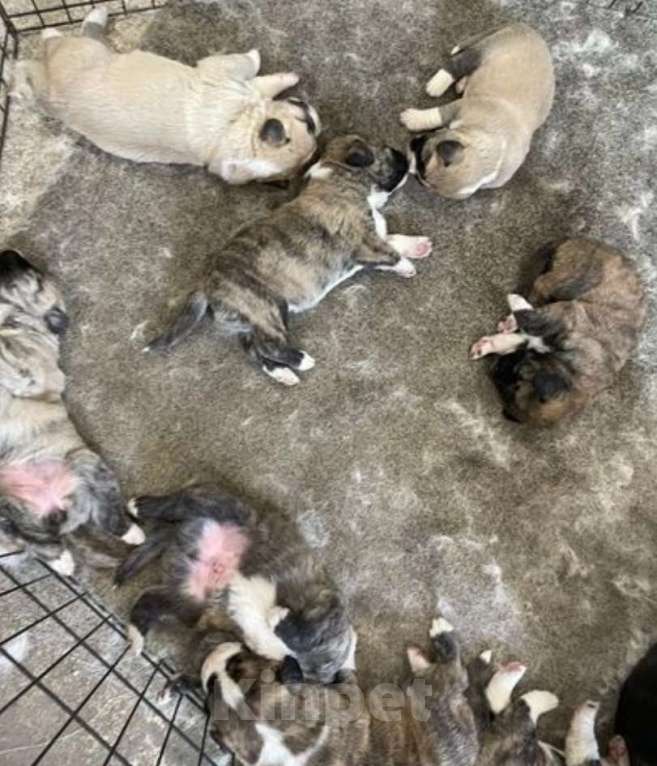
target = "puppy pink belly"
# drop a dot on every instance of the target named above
(43, 487)
(219, 554)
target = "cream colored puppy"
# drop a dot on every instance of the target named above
(149, 108)
(507, 82)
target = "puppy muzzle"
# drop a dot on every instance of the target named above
(415, 149)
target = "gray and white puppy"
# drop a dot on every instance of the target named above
(148, 108)
(507, 81)
(289, 260)
(58, 499)
(448, 715)
(217, 555)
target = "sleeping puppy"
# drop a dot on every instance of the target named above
(288, 261)
(58, 499)
(568, 342)
(267, 714)
(507, 83)
(216, 554)
(148, 108)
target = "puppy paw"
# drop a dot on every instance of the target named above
(518, 303)
(215, 662)
(307, 362)
(410, 247)
(282, 375)
(481, 348)
(133, 507)
(502, 684)
(404, 268)
(438, 626)
(64, 565)
(97, 16)
(136, 641)
(486, 656)
(461, 85)
(507, 325)
(539, 702)
(254, 55)
(439, 83)
(417, 659)
(134, 536)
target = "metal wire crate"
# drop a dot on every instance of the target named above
(71, 693)
(18, 17)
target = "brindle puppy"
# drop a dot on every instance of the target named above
(291, 259)
(266, 714)
(58, 499)
(569, 341)
(218, 556)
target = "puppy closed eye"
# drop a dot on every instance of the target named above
(549, 385)
(359, 156)
(273, 132)
(449, 152)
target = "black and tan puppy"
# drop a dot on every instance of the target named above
(565, 344)
(267, 714)
(58, 499)
(291, 259)
(216, 554)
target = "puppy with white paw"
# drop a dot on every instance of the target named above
(219, 114)
(481, 139)
(58, 499)
(288, 261)
(569, 340)
(217, 555)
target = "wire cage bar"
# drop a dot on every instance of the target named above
(63, 654)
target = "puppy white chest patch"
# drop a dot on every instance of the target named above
(376, 200)
(252, 604)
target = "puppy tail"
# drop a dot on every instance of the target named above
(142, 555)
(192, 313)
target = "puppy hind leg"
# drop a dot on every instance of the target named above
(581, 743)
(443, 640)
(502, 343)
(461, 64)
(152, 607)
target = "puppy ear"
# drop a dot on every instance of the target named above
(449, 152)
(273, 132)
(12, 264)
(359, 156)
(290, 671)
(549, 385)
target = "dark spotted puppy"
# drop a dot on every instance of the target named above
(635, 742)
(291, 259)
(58, 499)
(216, 553)
(267, 714)
(565, 344)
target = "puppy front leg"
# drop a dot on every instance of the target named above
(410, 247)
(375, 253)
(242, 66)
(502, 343)
(270, 85)
(417, 120)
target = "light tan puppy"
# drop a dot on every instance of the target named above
(149, 108)
(507, 82)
